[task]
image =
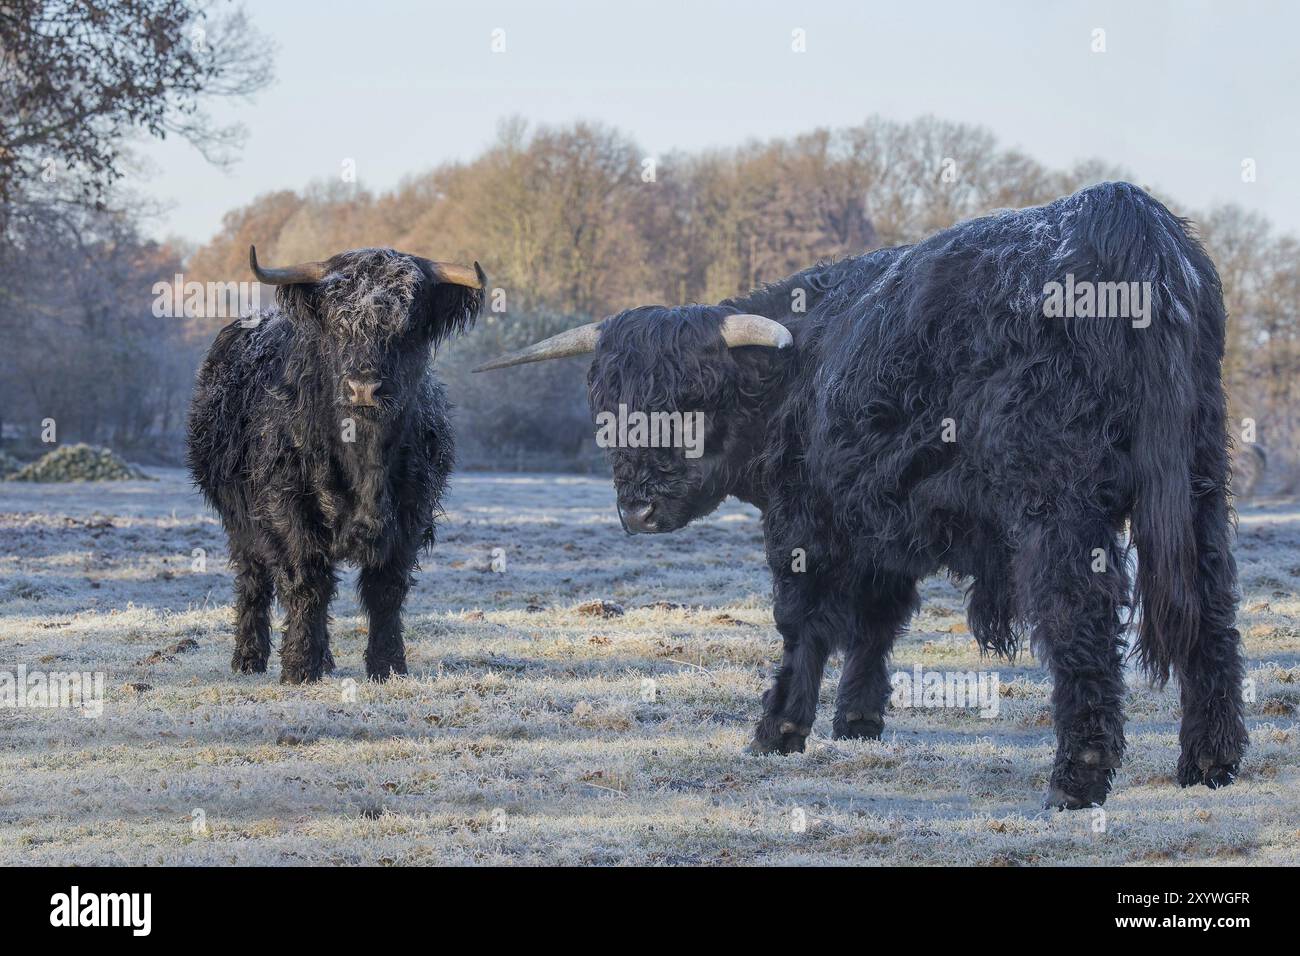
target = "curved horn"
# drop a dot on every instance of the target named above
(453, 274)
(746, 329)
(306, 272)
(579, 341)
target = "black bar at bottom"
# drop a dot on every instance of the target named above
(334, 905)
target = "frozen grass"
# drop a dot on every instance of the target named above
(524, 733)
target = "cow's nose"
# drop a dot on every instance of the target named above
(637, 518)
(363, 392)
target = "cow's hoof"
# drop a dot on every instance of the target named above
(856, 726)
(301, 673)
(385, 668)
(1212, 775)
(1058, 799)
(248, 661)
(1083, 781)
(785, 738)
(1214, 739)
(784, 744)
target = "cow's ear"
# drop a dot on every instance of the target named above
(301, 303)
(451, 309)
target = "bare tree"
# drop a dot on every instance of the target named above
(78, 77)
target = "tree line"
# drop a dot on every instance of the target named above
(577, 222)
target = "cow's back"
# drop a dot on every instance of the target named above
(941, 398)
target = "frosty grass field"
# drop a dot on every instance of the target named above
(524, 733)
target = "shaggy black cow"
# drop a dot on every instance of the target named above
(972, 403)
(320, 434)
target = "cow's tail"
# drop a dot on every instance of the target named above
(1180, 519)
(1164, 534)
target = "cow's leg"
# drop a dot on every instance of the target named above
(305, 592)
(254, 592)
(383, 589)
(1213, 732)
(864, 684)
(809, 628)
(1071, 577)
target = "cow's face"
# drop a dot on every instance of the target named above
(374, 316)
(659, 392)
(372, 340)
(677, 399)
(674, 410)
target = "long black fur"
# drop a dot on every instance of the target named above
(1064, 430)
(266, 446)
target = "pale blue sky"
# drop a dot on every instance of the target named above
(1184, 92)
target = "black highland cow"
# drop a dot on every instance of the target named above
(930, 413)
(320, 434)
